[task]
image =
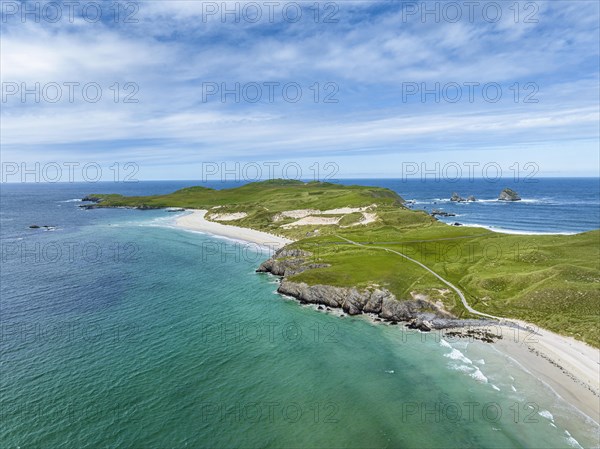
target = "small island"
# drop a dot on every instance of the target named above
(456, 198)
(509, 195)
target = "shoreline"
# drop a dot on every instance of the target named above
(563, 378)
(569, 367)
(195, 221)
(513, 231)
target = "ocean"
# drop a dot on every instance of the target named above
(119, 330)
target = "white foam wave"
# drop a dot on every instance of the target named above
(462, 368)
(479, 377)
(546, 414)
(572, 441)
(74, 200)
(444, 343)
(455, 354)
(513, 231)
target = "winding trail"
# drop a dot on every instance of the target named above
(448, 283)
(568, 356)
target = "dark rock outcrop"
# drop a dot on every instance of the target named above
(351, 300)
(441, 213)
(354, 302)
(459, 199)
(287, 262)
(421, 314)
(91, 198)
(509, 195)
(456, 197)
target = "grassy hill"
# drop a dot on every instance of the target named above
(550, 280)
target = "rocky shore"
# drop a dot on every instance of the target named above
(96, 204)
(418, 314)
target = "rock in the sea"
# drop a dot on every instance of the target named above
(509, 195)
(441, 213)
(456, 197)
(471, 198)
(34, 227)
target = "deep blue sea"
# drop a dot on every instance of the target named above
(119, 330)
(548, 205)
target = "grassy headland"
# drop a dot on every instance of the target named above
(550, 280)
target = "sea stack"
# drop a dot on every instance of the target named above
(456, 197)
(509, 195)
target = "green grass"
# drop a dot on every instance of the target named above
(550, 280)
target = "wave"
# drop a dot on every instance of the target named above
(455, 354)
(572, 441)
(467, 367)
(478, 376)
(515, 231)
(74, 200)
(493, 201)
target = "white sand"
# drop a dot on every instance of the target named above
(195, 221)
(570, 367)
(298, 213)
(229, 217)
(303, 213)
(368, 218)
(312, 221)
(346, 210)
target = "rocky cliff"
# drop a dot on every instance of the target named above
(421, 314)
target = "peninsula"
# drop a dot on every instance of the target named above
(360, 249)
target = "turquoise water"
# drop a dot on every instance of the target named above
(144, 336)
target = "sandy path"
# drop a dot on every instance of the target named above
(195, 221)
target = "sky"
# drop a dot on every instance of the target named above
(207, 90)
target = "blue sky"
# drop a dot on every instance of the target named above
(365, 58)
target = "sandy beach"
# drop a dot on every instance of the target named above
(195, 221)
(569, 367)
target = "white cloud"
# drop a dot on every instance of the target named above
(172, 51)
